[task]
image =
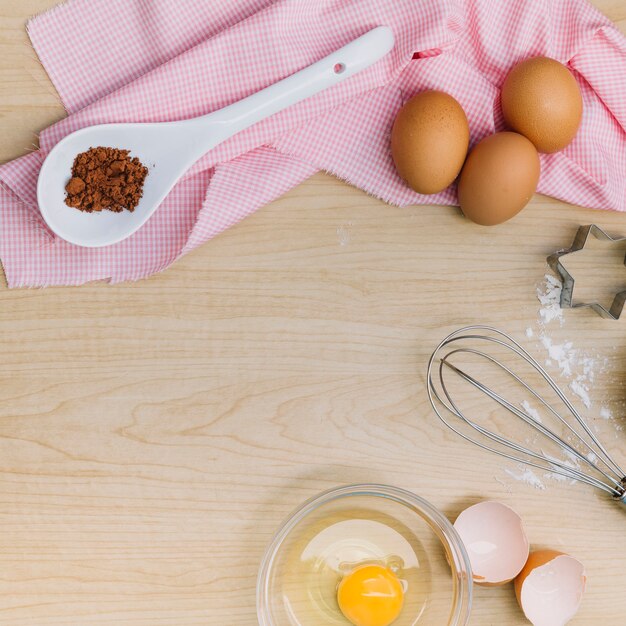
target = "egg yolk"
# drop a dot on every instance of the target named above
(370, 595)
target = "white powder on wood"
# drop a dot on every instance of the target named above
(344, 234)
(569, 455)
(549, 295)
(577, 368)
(581, 390)
(573, 364)
(560, 467)
(605, 413)
(527, 476)
(531, 412)
(564, 354)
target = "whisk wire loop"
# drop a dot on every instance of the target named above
(595, 458)
(527, 418)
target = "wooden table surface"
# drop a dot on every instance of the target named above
(154, 435)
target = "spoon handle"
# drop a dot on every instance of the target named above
(333, 69)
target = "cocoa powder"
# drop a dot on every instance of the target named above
(106, 178)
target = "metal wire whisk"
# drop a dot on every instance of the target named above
(595, 466)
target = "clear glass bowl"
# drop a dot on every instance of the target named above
(344, 527)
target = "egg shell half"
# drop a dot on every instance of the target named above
(495, 541)
(499, 178)
(542, 101)
(550, 588)
(429, 141)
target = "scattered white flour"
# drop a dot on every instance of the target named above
(571, 457)
(527, 476)
(572, 363)
(582, 391)
(560, 471)
(549, 295)
(559, 466)
(531, 412)
(605, 413)
(343, 234)
(564, 354)
(559, 477)
(579, 371)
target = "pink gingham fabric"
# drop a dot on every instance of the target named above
(160, 60)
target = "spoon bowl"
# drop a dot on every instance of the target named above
(169, 149)
(147, 142)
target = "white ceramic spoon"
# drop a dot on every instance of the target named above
(170, 149)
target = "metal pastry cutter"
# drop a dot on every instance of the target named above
(554, 260)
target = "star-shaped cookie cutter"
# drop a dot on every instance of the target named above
(554, 260)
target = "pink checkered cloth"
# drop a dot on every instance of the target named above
(132, 60)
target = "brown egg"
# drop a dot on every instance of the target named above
(429, 141)
(542, 101)
(499, 178)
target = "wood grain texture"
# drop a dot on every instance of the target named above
(154, 435)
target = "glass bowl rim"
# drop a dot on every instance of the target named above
(447, 534)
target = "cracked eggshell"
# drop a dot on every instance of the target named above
(550, 588)
(495, 541)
